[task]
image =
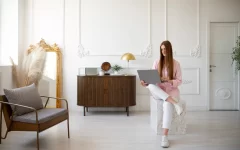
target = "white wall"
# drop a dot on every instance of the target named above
(129, 25)
(5, 78)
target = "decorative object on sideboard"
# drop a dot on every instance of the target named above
(106, 66)
(236, 55)
(128, 56)
(91, 71)
(116, 68)
(101, 73)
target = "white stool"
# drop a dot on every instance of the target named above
(178, 125)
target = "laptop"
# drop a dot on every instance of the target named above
(149, 76)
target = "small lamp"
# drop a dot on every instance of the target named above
(128, 56)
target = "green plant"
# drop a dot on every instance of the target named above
(236, 55)
(116, 68)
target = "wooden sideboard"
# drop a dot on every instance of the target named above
(106, 91)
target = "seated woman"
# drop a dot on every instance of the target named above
(171, 77)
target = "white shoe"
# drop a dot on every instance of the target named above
(178, 108)
(165, 143)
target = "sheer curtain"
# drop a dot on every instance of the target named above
(8, 31)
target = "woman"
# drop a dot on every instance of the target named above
(171, 77)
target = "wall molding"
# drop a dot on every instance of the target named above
(223, 93)
(166, 21)
(185, 81)
(194, 52)
(32, 22)
(146, 52)
(63, 30)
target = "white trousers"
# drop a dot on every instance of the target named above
(168, 108)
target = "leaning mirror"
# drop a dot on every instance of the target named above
(51, 81)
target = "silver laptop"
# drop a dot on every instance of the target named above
(149, 76)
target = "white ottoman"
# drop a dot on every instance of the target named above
(178, 123)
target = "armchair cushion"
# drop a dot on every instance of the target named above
(44, 115)
(27, 96)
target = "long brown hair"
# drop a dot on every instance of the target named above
(169, 59)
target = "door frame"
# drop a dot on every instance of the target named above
(208, 60)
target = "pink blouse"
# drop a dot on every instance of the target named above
(171, 89)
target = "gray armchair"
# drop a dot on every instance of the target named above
(37, 120)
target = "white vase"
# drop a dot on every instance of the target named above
(101, 73)
(115, 72)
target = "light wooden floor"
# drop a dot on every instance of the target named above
(115, 131)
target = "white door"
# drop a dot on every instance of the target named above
(223, 80)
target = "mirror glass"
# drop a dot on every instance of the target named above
(47, 85)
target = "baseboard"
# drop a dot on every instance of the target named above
(138, 108)
(197, 108)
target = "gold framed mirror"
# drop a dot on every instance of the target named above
(51, 81)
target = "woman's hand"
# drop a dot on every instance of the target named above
(164, 79)
(170, 81)
(143, 83)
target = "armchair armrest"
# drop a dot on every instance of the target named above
(7, 103)
(62, 99)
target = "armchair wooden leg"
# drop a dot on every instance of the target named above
(1, 124)
(68, 127)
(38, 138)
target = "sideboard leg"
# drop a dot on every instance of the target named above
(84, 111)
(127, 111)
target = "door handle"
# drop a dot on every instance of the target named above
(212, 66)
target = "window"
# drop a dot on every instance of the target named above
(8, 31)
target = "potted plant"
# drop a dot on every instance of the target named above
(116, 68)
(236, 55)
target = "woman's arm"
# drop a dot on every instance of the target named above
(177, 76)
(155, 64)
